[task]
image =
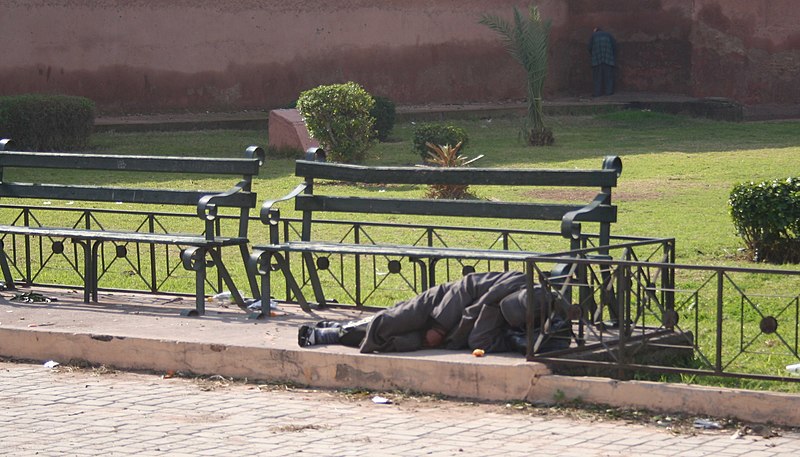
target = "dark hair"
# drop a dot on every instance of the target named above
(514, 308)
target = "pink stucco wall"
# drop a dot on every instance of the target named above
(173, 55)
(190, 54)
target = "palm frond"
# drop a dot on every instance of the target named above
(506, 32)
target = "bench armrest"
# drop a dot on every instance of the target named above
(569, 227)
(207, 206)
(266, 208)
(256, 152)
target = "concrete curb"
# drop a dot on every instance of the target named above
(760, 407)
(479, 379)
(436, 372)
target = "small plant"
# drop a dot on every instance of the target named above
(438, 134)
(448, 156)
(338, 116)
(384, 111)
(767, 217)
(46, 122)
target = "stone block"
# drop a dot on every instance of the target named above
(287, 130)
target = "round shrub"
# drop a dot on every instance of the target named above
(438, 134)
(384, 111)
(767, 217)
(46, 122)
(338, 116)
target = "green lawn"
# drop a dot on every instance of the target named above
(677, 175)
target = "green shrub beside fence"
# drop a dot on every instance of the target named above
(767, 217)
(439, 135)
(46, 122)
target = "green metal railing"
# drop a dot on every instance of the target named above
(703, 320)
(129, 266)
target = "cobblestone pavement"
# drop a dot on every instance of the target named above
(68, 412)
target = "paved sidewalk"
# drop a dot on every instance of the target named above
(57, 412)
(146, 332)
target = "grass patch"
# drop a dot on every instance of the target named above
(678, 171)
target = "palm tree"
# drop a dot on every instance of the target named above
(527, 40)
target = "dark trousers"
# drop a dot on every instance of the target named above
(353, 332)
(603, 79)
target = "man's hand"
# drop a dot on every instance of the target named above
(434, 337)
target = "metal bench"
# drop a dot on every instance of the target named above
(311, 201)
(195, 246)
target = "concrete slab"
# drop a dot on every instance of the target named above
(247, 120)
(562, 106)
(138, 331)
(146, 332)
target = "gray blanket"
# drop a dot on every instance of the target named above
(467, 309)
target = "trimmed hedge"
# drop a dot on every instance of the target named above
(46, 122)
(338, 116)
(439, 135)
(767, 217)
(384, 111)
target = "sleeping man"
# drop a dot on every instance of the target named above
(479, 311)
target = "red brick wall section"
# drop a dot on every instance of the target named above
(196, 55)
(654, 53)
(747, 50)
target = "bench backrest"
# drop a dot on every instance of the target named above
(599, 210)
(238, 196)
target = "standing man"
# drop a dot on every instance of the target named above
(603, 49)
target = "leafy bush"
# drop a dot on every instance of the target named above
(767, 216)
(384, 112)
(438, 134)
(46, 122)
(338, 116)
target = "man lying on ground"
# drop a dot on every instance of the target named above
(479, 311)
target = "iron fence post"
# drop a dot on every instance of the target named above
(718, 352)
(286, 228)
(27, 221)
(431, 273)
(218, 233)
(357, 263)
(668, 277)
(505, 236)
(151, 248)
(623, 278)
